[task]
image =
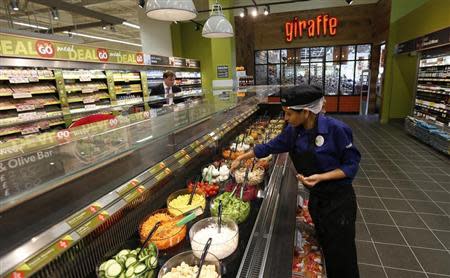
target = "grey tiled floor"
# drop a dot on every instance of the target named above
(403, 193)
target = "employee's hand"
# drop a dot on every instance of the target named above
(310, 181)
(235, 164)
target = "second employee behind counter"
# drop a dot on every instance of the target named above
(166, 89)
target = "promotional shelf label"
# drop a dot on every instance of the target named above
(127, 187)
(81, 216)
(135, 194)
(157, 168)
(43, 258)
(92, 224)
(21, 94)
(24, 107)
(184, 160)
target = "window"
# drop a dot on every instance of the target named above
(339, 70)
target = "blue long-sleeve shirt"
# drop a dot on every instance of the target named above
(336, 152)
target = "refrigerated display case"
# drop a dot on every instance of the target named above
(87, 203)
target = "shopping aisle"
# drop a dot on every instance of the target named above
(402, 188)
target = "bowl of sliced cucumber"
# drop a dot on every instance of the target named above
(131, 263)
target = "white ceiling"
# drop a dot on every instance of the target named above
(127, 9)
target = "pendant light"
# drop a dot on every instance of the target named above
(217, 26)
(171, 10)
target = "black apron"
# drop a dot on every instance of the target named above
(332, 206)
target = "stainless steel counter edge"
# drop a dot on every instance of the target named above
(111, 203)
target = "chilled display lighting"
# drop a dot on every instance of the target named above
(102, 38)
(141, 3)
(131, 25)
(55, 13)
(217, 26)
(255, 12)
(267, 10)
(14, 5)
(171, 10)
(349, 1)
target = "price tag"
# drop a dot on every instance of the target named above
(84, 78)
(92, 224)
(90, 106)
(24, 107)
(22, 95)
(29, 130)
(184, 160)
(17, 80)
(28, 116)
(83, 215)
(88, 90)
(33, 78)
(135, 194)
(89, 100)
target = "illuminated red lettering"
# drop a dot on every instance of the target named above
(321, 25)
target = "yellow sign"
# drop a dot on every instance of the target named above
(17, 46)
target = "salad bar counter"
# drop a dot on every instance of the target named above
(185, 216)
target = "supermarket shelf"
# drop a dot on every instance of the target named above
(32, 93)
(195, 84)
(432, 108)
(9, 132)
(74, 100)
(127, 80)
(78, 77)
(80, 90)
(435, 79)
(40, 78)
(130, 92)
(434, 92)
(4, 108)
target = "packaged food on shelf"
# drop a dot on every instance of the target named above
(83, 75)
(85, 87)
(308, 260)
(30, 74)
(223, 244)
(303, 213)
(167, 235)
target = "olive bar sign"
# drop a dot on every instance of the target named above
(222, 71)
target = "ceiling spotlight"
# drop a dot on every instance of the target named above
(255, 12)
(14, 5)
(242, 14)
(349, 1)
(267, 10)
(141, 3)
(104, 27)
(55, 13)
(112, 28)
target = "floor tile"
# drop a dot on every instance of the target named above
(398, 176)
(397, 204)
(361, 182)
(367, 202)
(407, 219)
(425, 207)
(408, 184)
(361, 231)
(388, 193)
(444, 237)
(415, 195)
(366, 253)
(397, 256)
(438, 222)
(444, 206)
(417, 176)
(372, 167)
(375, 175)
(434, 261)
(432, 170)
(371, 271)
(382, 183)
(439, 196)
(435, 276)
(385, 234)
(428, 185)
(365, 191)
(397, 273)
(377, 216)
(440, 178)
(421, 238)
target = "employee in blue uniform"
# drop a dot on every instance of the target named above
(322, 151)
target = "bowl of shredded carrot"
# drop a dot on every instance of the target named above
(167, 235)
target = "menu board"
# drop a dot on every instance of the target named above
(222, 71)
(159, 60)
(177, 62)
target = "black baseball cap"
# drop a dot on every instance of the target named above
(300, 95)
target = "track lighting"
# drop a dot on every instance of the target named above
(104, 27)
(267, 10)
(243, 13)
(141, 3)
(55, 13)
(14, 5)
(255, 12)
(112, 28)
(349, 1)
